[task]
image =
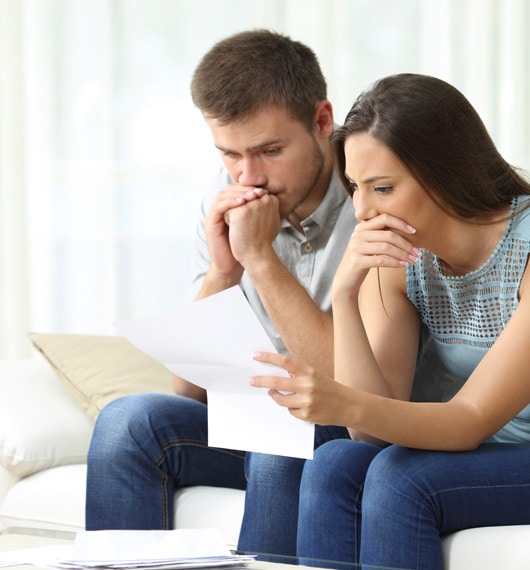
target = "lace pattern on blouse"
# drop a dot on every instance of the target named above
(471, 309)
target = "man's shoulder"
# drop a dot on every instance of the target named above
(217, 180)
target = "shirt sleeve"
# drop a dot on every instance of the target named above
(201, 255)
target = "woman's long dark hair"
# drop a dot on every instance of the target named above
(437, 134)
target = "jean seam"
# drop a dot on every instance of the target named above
(159, 461)
(191, 442)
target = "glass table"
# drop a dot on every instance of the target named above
(271, 561)
(24, 538)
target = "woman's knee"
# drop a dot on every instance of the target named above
(338, 464)
(396, 477)
(261, 467)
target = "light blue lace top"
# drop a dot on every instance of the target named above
(466, 314)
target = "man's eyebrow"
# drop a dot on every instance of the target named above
(254, 148)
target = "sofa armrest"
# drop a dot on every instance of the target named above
(7, 480)
(41, 426)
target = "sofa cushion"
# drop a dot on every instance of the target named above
(40, 425)
(53, 499)
(98, 369)
(211, 507)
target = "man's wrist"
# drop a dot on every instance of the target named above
(215, 282)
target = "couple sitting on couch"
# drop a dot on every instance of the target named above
(423, 173)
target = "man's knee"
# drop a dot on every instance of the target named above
(123, 421)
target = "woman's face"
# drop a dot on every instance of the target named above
(382, 184)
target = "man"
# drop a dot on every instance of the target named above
(277, 225)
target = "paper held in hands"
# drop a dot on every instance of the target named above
(210, 343)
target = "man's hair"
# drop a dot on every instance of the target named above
(254, 69)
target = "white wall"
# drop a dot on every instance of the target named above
(103, 157)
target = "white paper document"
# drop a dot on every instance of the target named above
(210, 343)
(40, 556)
(133, 549)
(150, 549)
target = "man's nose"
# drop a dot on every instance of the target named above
(251, 174)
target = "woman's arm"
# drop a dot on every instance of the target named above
(373, 350)
(496, 391)
(376, 339)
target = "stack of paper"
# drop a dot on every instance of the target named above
(124, 549)
(160, 550)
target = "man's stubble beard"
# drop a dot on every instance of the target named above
(314, 176)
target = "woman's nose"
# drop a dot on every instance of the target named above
(363, 205)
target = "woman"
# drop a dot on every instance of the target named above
(444, 240)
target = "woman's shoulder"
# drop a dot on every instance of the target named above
(521, 220)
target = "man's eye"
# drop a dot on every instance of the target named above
(272, 151)
(383, 189)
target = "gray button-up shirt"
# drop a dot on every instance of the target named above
(312, 257)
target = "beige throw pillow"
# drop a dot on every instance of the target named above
(99, 369)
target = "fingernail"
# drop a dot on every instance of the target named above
(256, 355)
(252, 381)
(411, 229)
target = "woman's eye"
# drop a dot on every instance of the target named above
(350, 185)
(383, 189)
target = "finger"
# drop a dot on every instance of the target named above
(282, 386)
(386, 248)
(275, 358)
(384, 241)
(388, 221)
(233, 196)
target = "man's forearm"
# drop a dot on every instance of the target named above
(184, 388)
(306, 330)
(215, 282)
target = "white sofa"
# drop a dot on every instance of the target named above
(44, 437)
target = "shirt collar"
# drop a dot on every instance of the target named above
(330, 206)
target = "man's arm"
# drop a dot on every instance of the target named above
(216, 268)
(184, 388)
(305, 329)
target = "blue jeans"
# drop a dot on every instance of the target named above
(143, 448)
(391, 507)
(270, 518)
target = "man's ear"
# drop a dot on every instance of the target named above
(324, 119)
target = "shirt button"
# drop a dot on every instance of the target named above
(308, 248)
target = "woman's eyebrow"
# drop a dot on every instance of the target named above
(376, 178)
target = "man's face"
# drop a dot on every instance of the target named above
(272, 150)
